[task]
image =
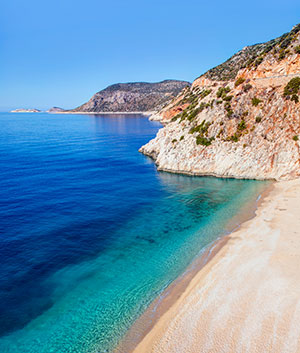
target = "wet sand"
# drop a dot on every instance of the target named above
(246, 298)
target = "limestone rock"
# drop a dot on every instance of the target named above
(246, 126)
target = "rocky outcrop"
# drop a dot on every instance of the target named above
(21, 110)
(133, 97)
(241, 119)
(55, 110)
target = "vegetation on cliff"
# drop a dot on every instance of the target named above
(253, 56)
(246, 109)
(291, 90)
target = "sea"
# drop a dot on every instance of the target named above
(90, 232)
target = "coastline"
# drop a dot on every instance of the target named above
(89, 113)
(247, 296)
(103, 113)
(149, 320)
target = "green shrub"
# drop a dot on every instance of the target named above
(192, 98)
(229, 113)
(181, 138)
(176, 117)
(239, 81)
(249, 63)
(227, 98)
(234, 138)
(295, 138)
(219, 92)
(258, 119)
(295, 98)
(194, 129)
(202, 128)
(193, 114)
(297, 49)
(242, 125)
(258, 61)
(174, 140)
(247, 87)
(185, 113)
(285, 41)
(256, 101)
(292, 87)
(193, 105)
(281, 55)
(220, 132)
(205, 93)
(222, 91)
(227, 105)
(203, 141)
(182, 115)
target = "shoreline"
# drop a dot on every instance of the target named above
(247, 297)
(165, 301)
(201, 174)
(90, 113)
(103, 113)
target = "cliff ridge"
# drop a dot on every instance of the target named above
(133, 97)
(240, 119)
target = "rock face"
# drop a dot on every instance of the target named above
(21, 110)
(240, 119)
(133, 97)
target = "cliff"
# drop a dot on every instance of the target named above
(133, 97)
(240, 119)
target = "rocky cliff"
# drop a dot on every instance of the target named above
(133, 97)
(240, 119)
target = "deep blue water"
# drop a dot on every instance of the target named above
(91, 233)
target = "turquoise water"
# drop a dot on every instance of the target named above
(91, 233)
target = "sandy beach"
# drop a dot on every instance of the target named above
(247, 297)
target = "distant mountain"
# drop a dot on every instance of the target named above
(55, 110)
(22, 110)
(133, 97)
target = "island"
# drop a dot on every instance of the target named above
(22, 110)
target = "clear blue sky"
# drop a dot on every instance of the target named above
(60, 52)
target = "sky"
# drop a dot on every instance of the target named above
(61, 52)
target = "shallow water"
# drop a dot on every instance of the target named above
(91, 233)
